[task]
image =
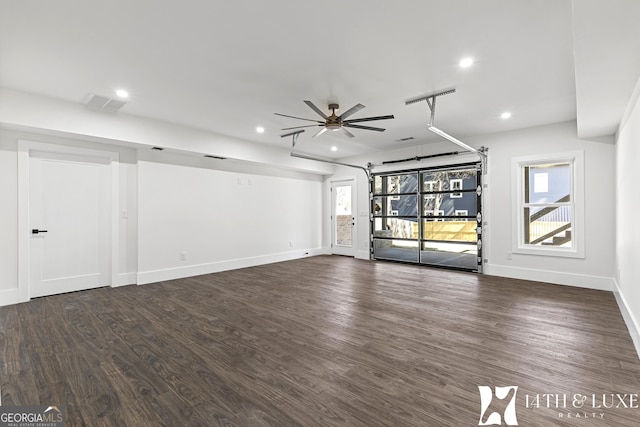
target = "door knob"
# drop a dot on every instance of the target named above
(36, 231)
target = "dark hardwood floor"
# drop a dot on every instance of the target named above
(321, 341)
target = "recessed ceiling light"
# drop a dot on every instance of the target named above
(505, 115)
(122, 93)
(334, 148)
(466, 63)
(260, 129)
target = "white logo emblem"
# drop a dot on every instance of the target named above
(494, 418)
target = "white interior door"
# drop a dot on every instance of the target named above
(343, 218)
(69, 205)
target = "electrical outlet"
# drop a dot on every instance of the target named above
(290, 243)
(183, 256)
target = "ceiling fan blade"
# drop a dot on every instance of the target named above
(362, 127)
(320, 132)
(351, 111)
(346, 132)
(298, 127)
(299, 118)
(316, 109)
(369, 119)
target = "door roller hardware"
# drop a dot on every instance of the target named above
(36, 231)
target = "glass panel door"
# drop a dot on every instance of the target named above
(343, 218)
(428, 216)
(395, 217)
(449, 218)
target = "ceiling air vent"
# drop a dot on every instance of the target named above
(409, 138)
(209, 156)
(102, 103)
(157, 148)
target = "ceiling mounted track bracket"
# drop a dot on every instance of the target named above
(431, 102)
(294, 138)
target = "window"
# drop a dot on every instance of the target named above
(549, 209)
(461, 212)
(430, 186)
(455, 184)
(430, 213)
(394, 187)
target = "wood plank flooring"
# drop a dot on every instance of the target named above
(321, 341)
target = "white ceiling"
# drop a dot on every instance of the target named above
(226, 67)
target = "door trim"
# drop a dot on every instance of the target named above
(354, 211)
(25, 148)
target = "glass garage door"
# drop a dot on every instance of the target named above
(429, 216)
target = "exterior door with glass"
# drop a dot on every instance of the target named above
(343, 218)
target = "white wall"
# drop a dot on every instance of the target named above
(156, 185)
(223, 214)
(29, 111)
(596, 270)
(627, 206)
(287, 191)
(8, 213)
(221, 219)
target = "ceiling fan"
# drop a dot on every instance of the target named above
(337, 123)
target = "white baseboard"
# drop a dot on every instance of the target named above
(124, 279)
(629, 319)
(214, 267)
(9, 297)
(560, 278)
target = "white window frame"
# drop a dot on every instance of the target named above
(461, 212)
(455, 195)
(434, 214)
(576, 161)
(429, 186)
(395, 180)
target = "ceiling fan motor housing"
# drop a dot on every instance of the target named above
(333, 123)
